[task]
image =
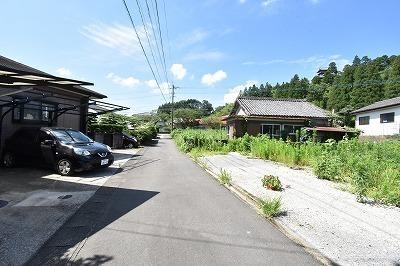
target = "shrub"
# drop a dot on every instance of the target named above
(271, 207)
(224, 177)
(328, 167)
(371, 167)
(106, 128)
(271, 182)
(145, 132)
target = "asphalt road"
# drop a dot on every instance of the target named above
(163, 209)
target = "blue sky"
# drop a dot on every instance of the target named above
(213, 48)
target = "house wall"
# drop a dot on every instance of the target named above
(71, 119)
(239, 126)
(236, 128)
(254, 127)
(375, 127)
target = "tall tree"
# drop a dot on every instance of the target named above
(330, 74)
(392, 86)
(356, 61)
(339, 92)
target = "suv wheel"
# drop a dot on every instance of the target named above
(8, 159)
(64, 167)
(130, 146)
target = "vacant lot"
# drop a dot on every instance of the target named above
(372, 169)
(314, 210)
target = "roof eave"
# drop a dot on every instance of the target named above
(277, 117)
(359, 111)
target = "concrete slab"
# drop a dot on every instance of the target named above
(35, 202)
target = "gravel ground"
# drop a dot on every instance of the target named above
(316, 211)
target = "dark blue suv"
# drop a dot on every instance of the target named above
(62, 149)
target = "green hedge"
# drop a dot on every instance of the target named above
(106, 128)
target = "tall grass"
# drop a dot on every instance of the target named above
(371, 167)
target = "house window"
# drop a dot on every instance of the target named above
(363, 120)
(387, 118)
(291, 129)
(274, 131)
(34, 112)
(47, 110)
(31, 111)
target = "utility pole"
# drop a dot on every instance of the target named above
(172, 107)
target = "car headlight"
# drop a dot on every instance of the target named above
(81, 152)
(109, 148)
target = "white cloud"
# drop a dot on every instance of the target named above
(211, 78)
(116, 36)
(64, 72)
(178, 71)
(152, 84)
(268, 3)
(125, 82)
(242, 1)
(210, 56)
(193, 37)
(314, 62)
(233, 93)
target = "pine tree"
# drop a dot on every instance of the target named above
(392, 86)
(356, 61)
(330, 74)
(339, 92)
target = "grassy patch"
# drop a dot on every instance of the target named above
(372, 168)
(272, 182)
(224, 177)
(271, 207)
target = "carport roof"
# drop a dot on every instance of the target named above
(98, 108)
(14, 74)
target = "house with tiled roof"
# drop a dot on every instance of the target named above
(380, 118)
(279, 118)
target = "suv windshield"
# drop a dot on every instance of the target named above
(71, 136)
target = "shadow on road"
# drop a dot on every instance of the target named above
(93, 216)
(23, 231)
(91, 261)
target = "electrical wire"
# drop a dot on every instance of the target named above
(148, 38)
(161, 40)
(144, 51)
(157, 44)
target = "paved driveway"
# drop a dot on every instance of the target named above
(34, 203)
(163, 209)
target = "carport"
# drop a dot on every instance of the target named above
(31, 97)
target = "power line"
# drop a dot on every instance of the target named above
(166, 28)
(144, 52)
(148, 39)
(157, 43)
(161, 40)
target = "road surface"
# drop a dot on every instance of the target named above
(163, 209)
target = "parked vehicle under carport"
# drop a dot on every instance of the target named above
(65, 150)
(129, 141)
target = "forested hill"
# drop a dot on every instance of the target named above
(363, 82)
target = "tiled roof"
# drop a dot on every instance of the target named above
(260, 106)
(379, 105)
